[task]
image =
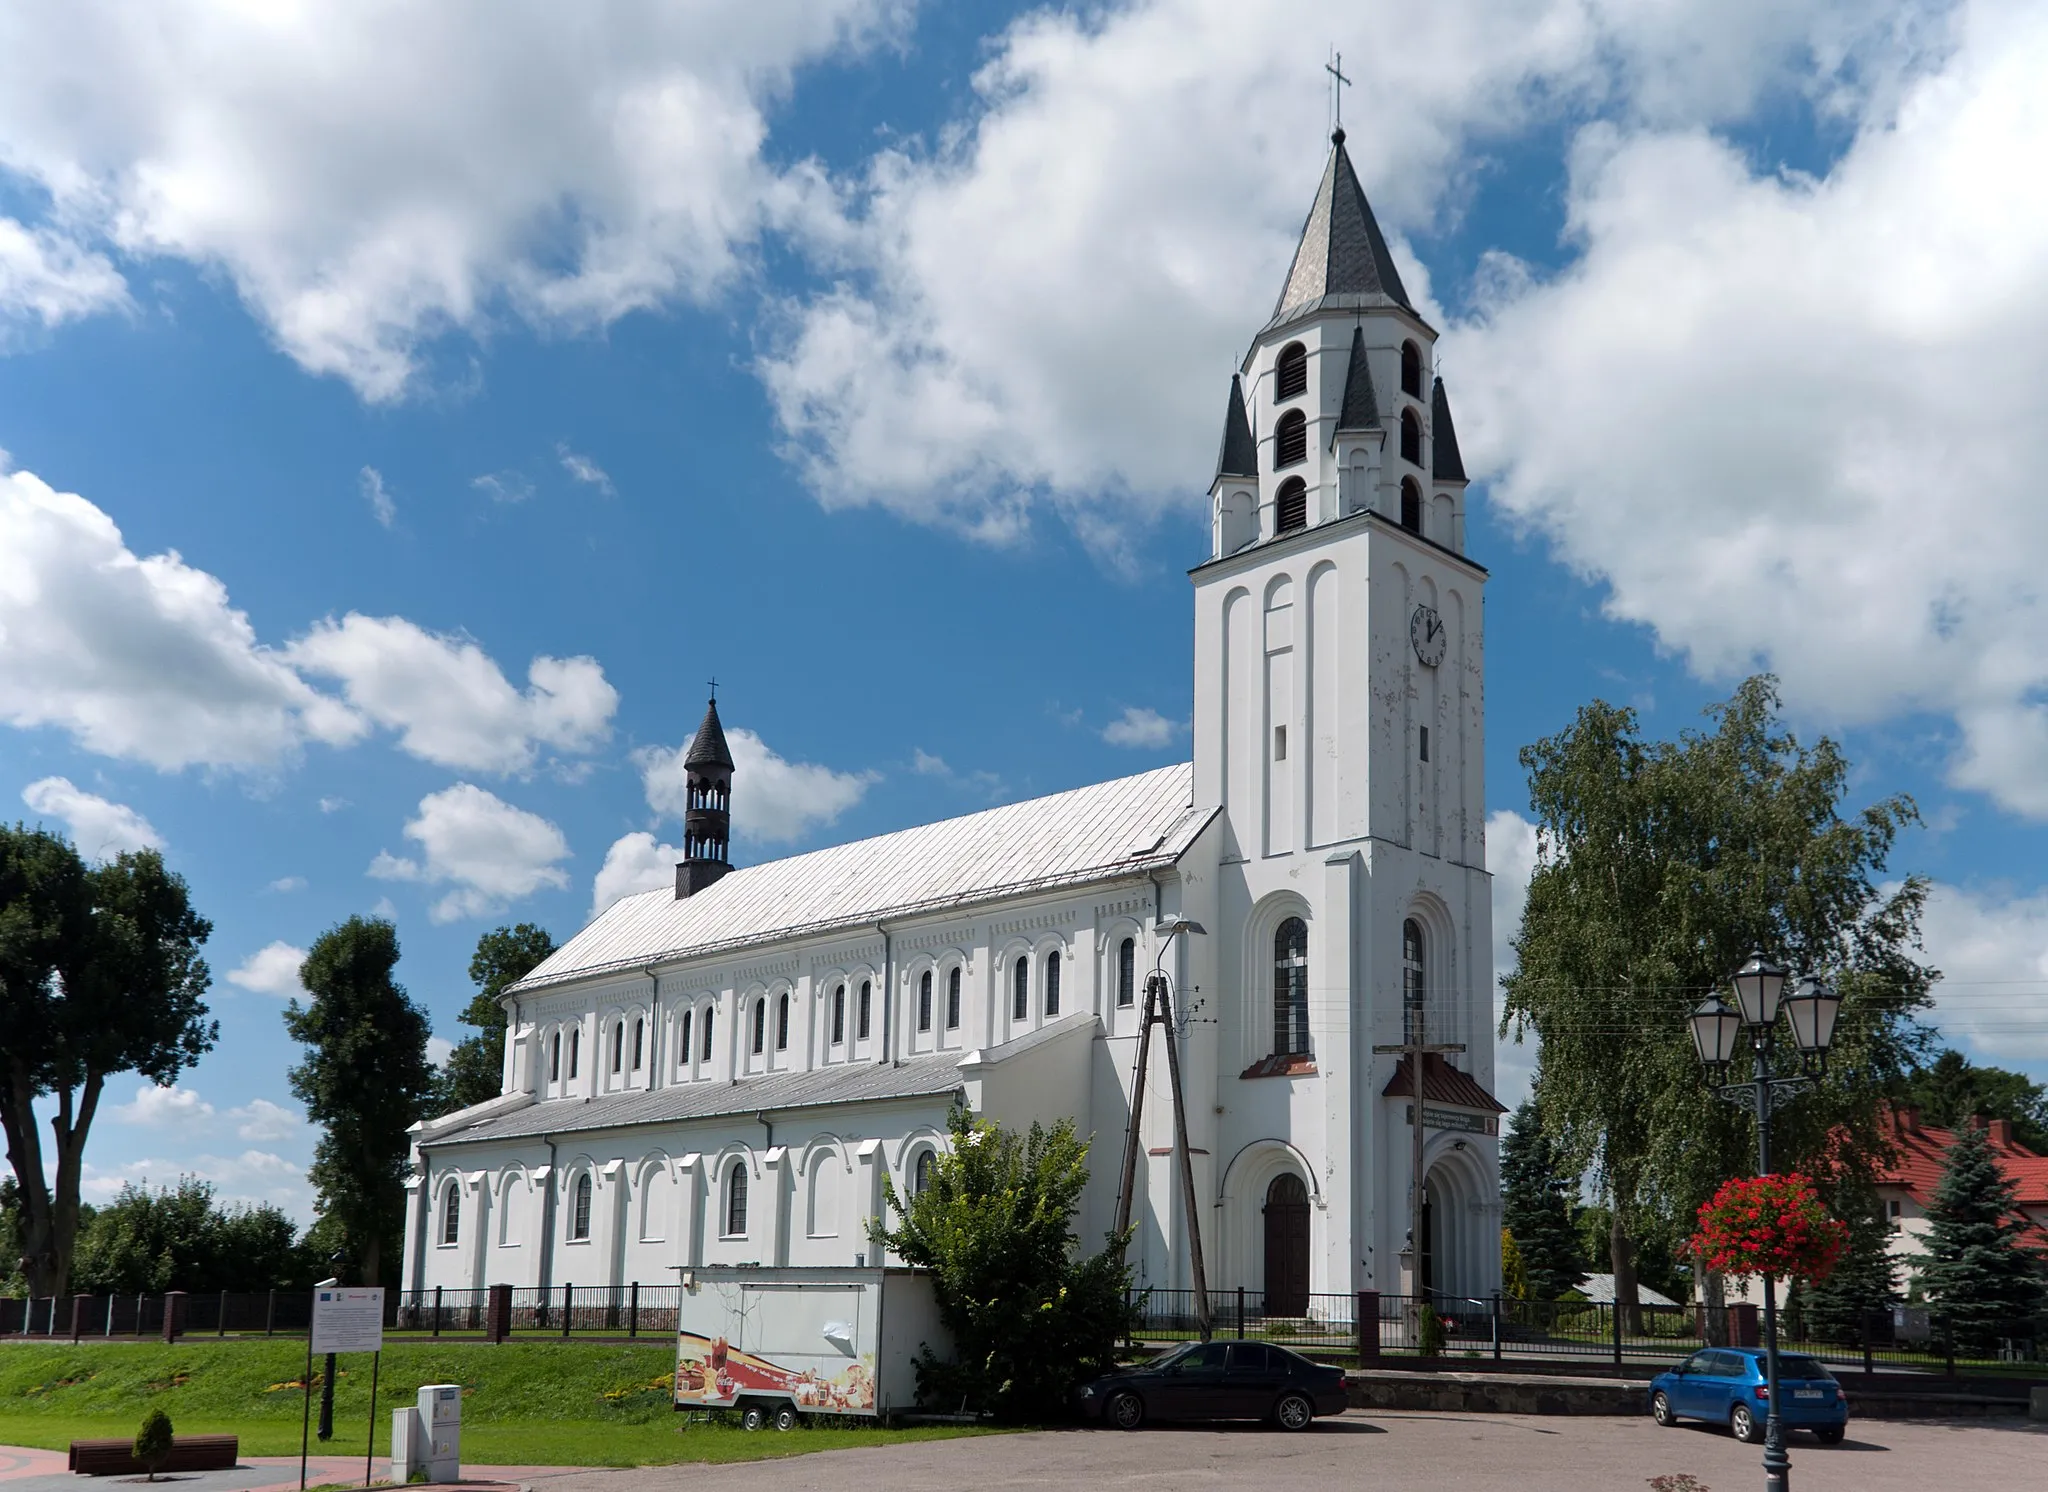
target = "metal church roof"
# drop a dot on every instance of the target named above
(1239, 454)
(1108, 831)
(1445, 464)
(1361, 409)
(709, 748)
(1342, 262)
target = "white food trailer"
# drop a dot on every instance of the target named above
(779, 1343)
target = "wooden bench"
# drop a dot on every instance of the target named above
(188, 1453)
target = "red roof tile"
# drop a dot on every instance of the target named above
(1443, 1083)
(1921, 1153)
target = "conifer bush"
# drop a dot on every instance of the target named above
(153, 1441)
(1982, 1282)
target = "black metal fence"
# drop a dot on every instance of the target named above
(1501, 1330)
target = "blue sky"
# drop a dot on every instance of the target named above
(868, 357)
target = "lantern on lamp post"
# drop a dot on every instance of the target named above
(1811, 1010)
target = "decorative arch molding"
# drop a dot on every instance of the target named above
(715, 1165)
(1272, 1153)
(1242, 1200)
(924, 1136)
(1444, 1010)
(1255, 976)
(825, 1144)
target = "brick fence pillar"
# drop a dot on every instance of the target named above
(498, 1313)
(174, 1314)
(1742, 1325)
(1368, 1327)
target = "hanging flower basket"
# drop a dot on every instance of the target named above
(1772, 1225)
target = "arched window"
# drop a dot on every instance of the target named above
(639, 1041)
(1411, 505)
(1020, 990)
(1411, 369)
(1411, 437)
(710, 1011)
(451, 1214)
(1414, 980)
(921, 1173)
(555, 1058)
(1290, 371)
(1052, 985)
(1127, 972)
(736, 1199)
(860, 1028)
(953, 999)
(618, 1045)
(683, 1044)
(575, 1046)
(782, 1023)
(1290, 988)
(579, 1212)
(924, 1001)
(1290, 439)
(838, 1014)
(1290, 507)
(760, 1024)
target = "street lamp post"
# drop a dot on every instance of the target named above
(1810, 1010)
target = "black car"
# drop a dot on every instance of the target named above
(1217, 1380)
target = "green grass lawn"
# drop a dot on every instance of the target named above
(531, 1404)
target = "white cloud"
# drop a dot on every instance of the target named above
(1796, 422)
(489, 851)
(635, 862)
(174, 1107)
(137, 657)
(333, 805)
(370, 482)
(1132, 181)
(1991, 946)
(368, 177)
(250, 1179)
(438, 1050)
(1141, 727)
(287, 884)
(261, 1120)
(1510, 860)
(272, 969)
(101, 829)
(503, 486)
(925, 764)
(46, 278)
(450, 702)
(586, 471)
(772, 800)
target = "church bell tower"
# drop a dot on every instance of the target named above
(707, 820)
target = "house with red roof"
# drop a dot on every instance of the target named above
(1906, 1186)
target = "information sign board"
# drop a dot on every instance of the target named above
(348, 1320)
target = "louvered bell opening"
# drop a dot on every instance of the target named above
(1290, 439)
(1290, 372)
(1292, 506)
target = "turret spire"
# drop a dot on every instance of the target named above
(707, 816)
(1239, 454)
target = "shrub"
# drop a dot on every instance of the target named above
(1430, 1333)
(153, 1441)
(1031, 1317)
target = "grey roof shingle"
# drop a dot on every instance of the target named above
(1239, 454)
(1445, 464)
(709, 748)
(1361, 411)
(1106, 831)
(1342, 252)
(914, 1077)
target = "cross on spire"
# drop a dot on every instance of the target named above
(714, 688)
(1338, 83)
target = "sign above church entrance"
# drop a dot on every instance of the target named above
(1436, 1118)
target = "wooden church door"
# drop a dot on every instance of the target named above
(1287, 1247)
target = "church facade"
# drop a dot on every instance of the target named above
(728, 1072)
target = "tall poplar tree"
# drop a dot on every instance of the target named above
(100, 974)
(474, 1072)
(366, 1079)
(1980, 1279)
(1660, 866)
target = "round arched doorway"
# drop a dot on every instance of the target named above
(1287, 1246)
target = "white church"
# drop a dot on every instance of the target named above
(726, 1072)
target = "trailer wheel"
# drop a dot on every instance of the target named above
(753, 1417)
(785, 1418)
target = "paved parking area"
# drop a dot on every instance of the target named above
(1468, 1453)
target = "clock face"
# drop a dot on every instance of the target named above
(1426, 631)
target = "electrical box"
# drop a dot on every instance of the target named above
(408, 1445)
(440, 1417)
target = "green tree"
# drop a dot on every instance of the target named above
(1030, 1316)
(153, 1441)
(100, 974)
(1864, 1279)
(1977, 1275)
(1951, 1090)
(366, 1079)
(181, 1238)
(474, 1071)
(1660, 865)
(1537, 1199)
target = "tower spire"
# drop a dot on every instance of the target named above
(1342, 262)
(707, 816)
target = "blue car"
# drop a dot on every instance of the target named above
(1725, 1386)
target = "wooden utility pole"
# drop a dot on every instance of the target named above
(1158, 1012)
(1413, 1049)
